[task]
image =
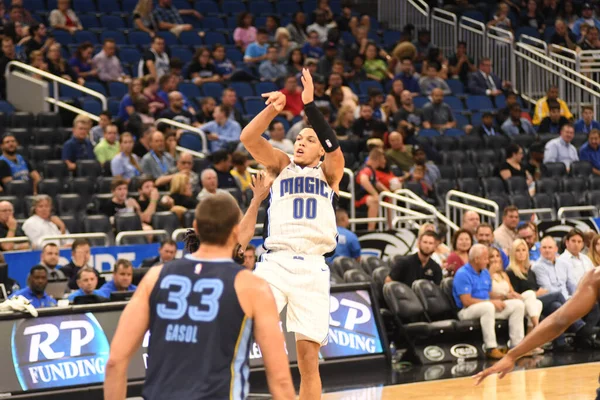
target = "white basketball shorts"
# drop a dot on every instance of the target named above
(302, 282)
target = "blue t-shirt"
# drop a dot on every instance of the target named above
(347, 245)
(312, 52)
(468, 281)
(534, 252)
(225, 67)
(586, 153)
(581, 127)
(75, 149)
(110, 287)
(44, 301)
(256, 50)
(80, 65)
(125, 102)
(81, 293)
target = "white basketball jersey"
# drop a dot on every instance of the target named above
(301, 214)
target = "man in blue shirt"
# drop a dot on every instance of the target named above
(87, 282)
(484, 234)
(122, 278)
(271, 69)
(13, 166)
(407, 76)
(347, 243)
(312, 48)
(257, 51)
(79, 146)
(561, 149)
(590, 151)
(222, 130)
(586, 123)
(529, 235)
(169, 18)
(36, 291)
(472, 292)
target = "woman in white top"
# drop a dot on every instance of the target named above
(43, 223)
(64, 18)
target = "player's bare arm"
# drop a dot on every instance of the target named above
(261, 184)
(578, 306)
(333, 165)
(258, 303)
(132, 327)
(258, 146)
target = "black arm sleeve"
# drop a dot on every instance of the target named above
(326, 135)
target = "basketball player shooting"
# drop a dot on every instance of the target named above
(300, 228)
(201, 311)
(559, 321)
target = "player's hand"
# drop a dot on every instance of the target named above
(275, 99)
(261, 184)
(502, 368)
(308, 94)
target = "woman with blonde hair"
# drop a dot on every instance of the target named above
(594, 250)
(142, 17)
(344, 121)
(181, 192)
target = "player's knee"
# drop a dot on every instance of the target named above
(308, 357)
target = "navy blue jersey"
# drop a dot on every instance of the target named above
(199, 334)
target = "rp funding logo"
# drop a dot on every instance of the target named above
(56, 351)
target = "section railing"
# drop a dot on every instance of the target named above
(458, 202)
(187, 128)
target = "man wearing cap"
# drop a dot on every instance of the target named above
(326, 62)
(375, 101)
(437, 114)
(487, 126)
(587, 17)
(432, 172)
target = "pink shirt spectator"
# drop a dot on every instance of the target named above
(109, 68)
(244, 35)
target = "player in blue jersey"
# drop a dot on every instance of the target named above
(201, 311)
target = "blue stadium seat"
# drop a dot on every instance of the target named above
(309, 6)
(242, 89)
(500, 101)
(117, 89)
(235, 55)
(287, 7)
(213, 23)
(347, 37)
(33, 5)
(548, 32)
(190, 38)
(181, 4)
(254, 106)
(128, 5)
(50, 4)
(207, 7)
(454, 103)
(212, 89)
(428, 133)
(456, 86)
(365, 85)
(170, 39)
(420, 101)
(86, 36)
(265, 87)
(475, 118)
(139, 38)
(479, 103)
(88, 21)
(191, 140)
(110, 6)
(183, 53)
(6, 107)
(129, 56)
(212, 38)
(473, 14)
(96, 86)
(62, 37)
(112, 21)
(189, 89)
(92, 106)
(113, 106)
(231, 21)
(527, 30)
(258, 7)
(390, 38)
(83, 6)
(375, 25)
(117, 36)
(373, 36)
(233, 8)
(462, 120)
(454, 132)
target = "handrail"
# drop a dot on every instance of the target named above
(192, 152)
(466, 207)
(562, 210)
(56, 80)
(535, 43)
(383, 204)
(95, 235)
(71, 108)
(188, 128)
(430, 207)
(15, 239)
(178, 232)
(543, 210)
(125, 234)
(350, 195)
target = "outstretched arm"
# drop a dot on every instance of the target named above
(261, 184)
(333, 165)
(258, 146)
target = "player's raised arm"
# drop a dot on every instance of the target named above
(258, 146)
(132, 327)
(333, 165)
(258, 303)
(577, 307)
(261, 184)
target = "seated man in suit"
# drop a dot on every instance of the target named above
(166, 253)
(484, 82)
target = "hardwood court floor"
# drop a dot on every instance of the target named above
(571, 382)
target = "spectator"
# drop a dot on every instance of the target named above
(470, 222)
(222, 130)
(37, 60)
(14, 167)
(223, 65)
(560, 149)
(365, 125)
(506, 233)
(326, 63)
(293, 95)
(142, 145)
(293, 132)
(86, 279)
(41, 222)
(59, 66)
(594, 250)
(531, 17)
(393, 100)
(271, 69)
(143, 19)
(126, 106)
(321, 99)
(80, 258)
(277, 137)
(97, 131)
(149, 200)
(500, 281)
(423, 45)
(81, 62)
(108, 65)
(590, 40)
(535, 160)
(348, 244)
(357, 72)
(39, 39)
(295, 62)
(245, 33)
(209, 184)
(108, 147)
(367, 192)
(257, 51)
(343, 124)
(516, 124)
(49, 261)
(487, 126)
(376, 68)
(297, 28)
(501, 18)
(26, 18)
(207, 108)
(460, 65)
(504, 113)
(122, 279)
(563, 37)
(590, 151)
(166, 252)
(573, 261)
(9, 228)
(376, 102)
(485, 235)
(125, 164)
(7, 55)
(185, 165)
(150, 92)
(240, 171)
(64, 18)
(168, 18)
(119, 203)
(528, 233)
(343, 21)
(182, 193)
(431, 82)
(320, 26)
(222, 165)
(462, 241)
(408, 77)
(512, 166)
(335, 81)
(484, 82)
(35, 291)
(202, 70)
(250, 257)
(587, 17)
(79, 146)
(408, 116)
(312, 48)
(554, 122)
(587, 123)
(437, 114)
(419, 265)
(542, 106)
(177, 112)
(399, 154)
(284, 44)
(229, 99)
(432, 172)
(154, 61)
(472, 291)
(157, 162)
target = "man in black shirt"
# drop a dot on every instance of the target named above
(154, 61)
(461, 64)
(119, 202)
(8, 55)
(176, 112)
(207, 108)
(38, 40)
(80, 257)
(10, 228)
(148, 200)
(419, 265)
(563, 36)
(142, 144)
(321, 98)
(14, 167)
(222, 165)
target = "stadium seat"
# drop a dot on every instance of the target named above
(101, 201)
(547, 185)
(484, 156)
(6, 107)
(213, 23)
(63, 37)
(454, 157)
(258, 7)
(70, 204)
(84, 6)
(92, 106)
(191, 140)
(493, 186)
(83, 186)
(521, 201)
(542, 200)
(48, 120)
(213, 89)
(189, 89)
(454, 132)
(129, 222)
(517, 185)
(527, 30)
(455, 85)
(455, 103)
(496, 142)
(365, 85)
(254, 106)
(51, 187)
(47, 136)
(97, 87)
(19, 189)
(111, 21)
(72, 223)
(370, 264)
(342, 264)
(165, 220)
(444, 143)
(98, 223)
(593, 198)
(501, 199)
(117, 36)
(428, 133)
(553, 170)
(242, 89)
(190, 38)
(23, 135)
(575, 185)
(287, 7)
(170, 38)
(21, 119)
(265, 87)
(88, 168)
(468, 170)
(566, 200)
(139, 38)
(441, 187)
(103, 184)
(470, 142)
(448, 171)
(437, 306)
(420, 101)
(206, 7)
(39, 154)
(183, 53)
(525, 141)
(479, 103)
(415, 187)
(594, 182)
(356, 276)
(55, 169)
(581, 169)
(128, 56)
(87, 36)
(117, 89)
(469, 185)
(212, 38)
